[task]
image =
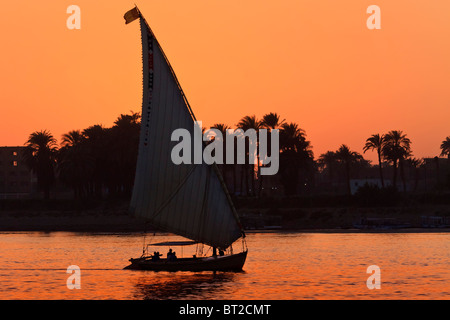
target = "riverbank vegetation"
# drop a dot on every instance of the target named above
(99, 162)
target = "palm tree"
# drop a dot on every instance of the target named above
(94, 132)
(96, 144)
(123, 143)
(396, 148)
(292, 137)
(295, 154)
(328, 162)
(223, 130)
(247, 123)
(270, 121)
(416, 164)
(348, 158)
(75, 163)
(376, 142)
(40, 155)
(445, 147)
(438, 172)
(72, 138)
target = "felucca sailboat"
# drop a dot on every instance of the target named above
(189, 200)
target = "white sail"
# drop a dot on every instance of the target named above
(187, 199)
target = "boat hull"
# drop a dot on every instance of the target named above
(234, 262)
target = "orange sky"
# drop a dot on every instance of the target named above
(312, 61)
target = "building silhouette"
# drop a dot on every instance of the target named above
(16, 179)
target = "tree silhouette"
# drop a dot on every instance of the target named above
(75, 163)
(99, 158)
(376, 142)
(224, 166)
(295, 155)
(348, 158)
(270, 121)
(96, 145)
(445, 147)
(396, 148)
(72, 138)
(247, 123)
(328, 164)
(123, 143)
(416, 164)
(40, 156)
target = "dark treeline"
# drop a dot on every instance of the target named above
(97, 162)
(89, 161)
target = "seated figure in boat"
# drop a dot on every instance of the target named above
(171, 255)
(156, 256)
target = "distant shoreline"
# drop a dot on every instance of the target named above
(340, 230)
(132, 230)
(114, 217)
(126, 224)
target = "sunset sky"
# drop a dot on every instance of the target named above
(312, 61)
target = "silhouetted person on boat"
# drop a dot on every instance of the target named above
(221, 253)
(156, 256)
(171, 255)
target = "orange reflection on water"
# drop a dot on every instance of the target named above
(288, 266)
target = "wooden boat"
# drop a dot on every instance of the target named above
(233, 262)
(188, 199)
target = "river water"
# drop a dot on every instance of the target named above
(280, 265)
